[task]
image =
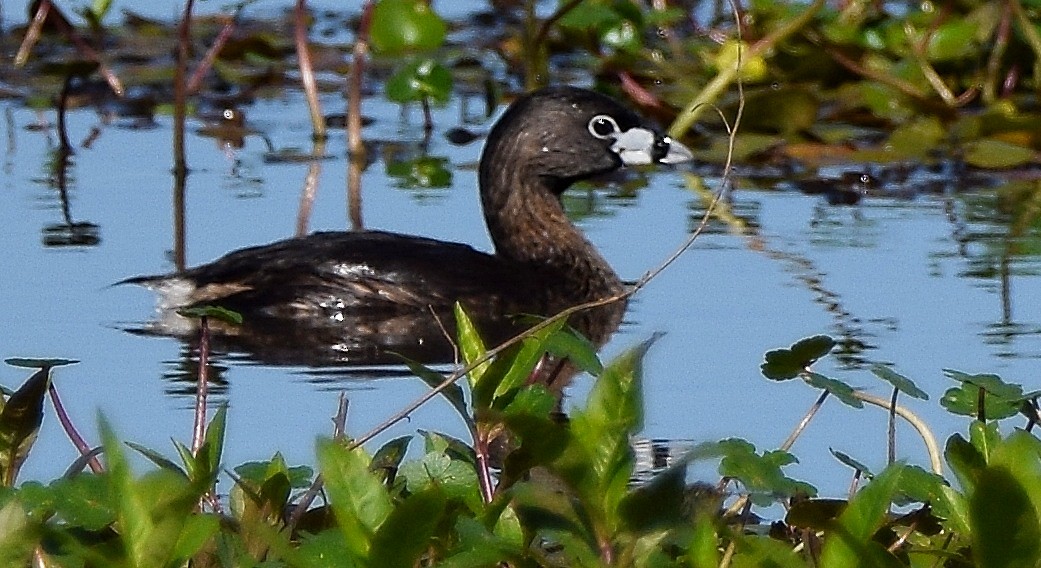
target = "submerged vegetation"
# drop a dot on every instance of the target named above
(909, 98)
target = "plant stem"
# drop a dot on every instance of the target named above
(202, 385)
(303, 57)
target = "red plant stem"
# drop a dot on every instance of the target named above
(303, 57)
(199, 431)
(360, 51)
(70, 430)
(195, 83)
(484, 475)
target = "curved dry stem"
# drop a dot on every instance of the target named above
(935, 455)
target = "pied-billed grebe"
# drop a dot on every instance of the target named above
(373, 286)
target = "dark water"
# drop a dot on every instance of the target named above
(926, 283)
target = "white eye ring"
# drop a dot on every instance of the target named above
(599, 125)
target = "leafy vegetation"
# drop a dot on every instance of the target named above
(533, 488)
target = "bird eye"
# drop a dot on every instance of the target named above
(603, 126)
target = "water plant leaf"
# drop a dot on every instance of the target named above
(425, 79)
(992, 153)
(899, 382)
(1002, 399)
(215, 312)
(401, 26)
(657, 504)
(358, 498)
(20, 420)
(952, 40)
(852, 543)
(984, 436)
(838, 389)
(847, 460)
(784, 364)
(37, 363)
(761, 474)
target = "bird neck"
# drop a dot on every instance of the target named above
(528, 226)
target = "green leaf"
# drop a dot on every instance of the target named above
(256, 472)
(20, 421)
(456, 478)
(453, 393)
(520, 363)
(197, 531)
(471, 345)
(1004, 521)
(845, 459)
(406, 535)
(965, 460)
(156, 458)
(1002, 399)
(84, 501)
(851, 544)
(420, 80)
(952, 40)
(991, 153)
(215, 312)
(400, 26)
(213, 442)
(838, 389)
(784, 364)
(387, 460)
(761, 475)
(984, 437)
(899, 382)
(569, 343)
(357, 496)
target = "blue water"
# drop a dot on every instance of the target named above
(893, 271)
